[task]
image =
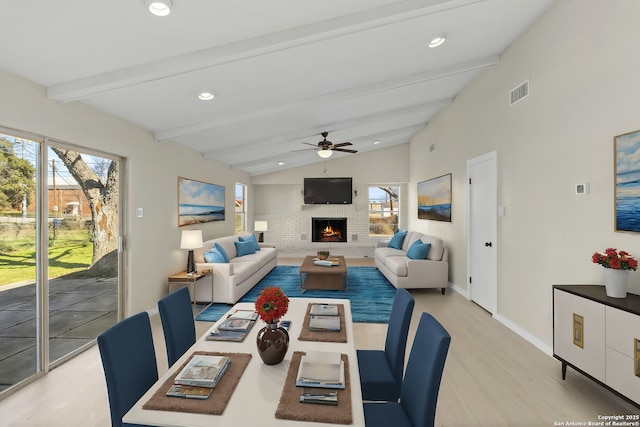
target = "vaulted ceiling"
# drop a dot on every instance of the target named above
(282, 71)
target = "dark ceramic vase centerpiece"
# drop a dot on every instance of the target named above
(272, 341)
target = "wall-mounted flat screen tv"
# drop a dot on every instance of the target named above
(328, 191)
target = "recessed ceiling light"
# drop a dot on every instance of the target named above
(438, 41)
(376, 142)
(206, 96)
(159, 7)
(280, 163)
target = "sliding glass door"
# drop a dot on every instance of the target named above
(84, 227)
(60, 267)
(19, 285)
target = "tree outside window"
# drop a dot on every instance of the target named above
(17, 176)
(383, 210)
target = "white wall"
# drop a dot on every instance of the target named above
(152, 170)
(581, 58)
(278, 200)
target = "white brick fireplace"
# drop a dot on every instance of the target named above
(289, 221)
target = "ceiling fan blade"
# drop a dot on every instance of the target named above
(305, 149)
(313, 145)
(345, 150)
(342, 144)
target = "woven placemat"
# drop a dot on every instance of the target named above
(329, 336)
(290, 408)
(216, 402)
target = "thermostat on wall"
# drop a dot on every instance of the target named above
(582, 189)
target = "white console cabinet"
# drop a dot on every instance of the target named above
(598, 336)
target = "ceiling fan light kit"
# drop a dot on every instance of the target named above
(326, 148)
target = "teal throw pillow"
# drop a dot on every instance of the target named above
(214, 255)
(244, 248)
(397, 239)
(250, 238)
(223, 252)
(418, 250)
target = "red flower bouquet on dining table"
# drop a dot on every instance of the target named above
(617, 260)
(272, 304)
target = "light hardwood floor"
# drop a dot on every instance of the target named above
(492, 377)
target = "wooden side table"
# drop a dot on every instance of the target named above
(191, 281)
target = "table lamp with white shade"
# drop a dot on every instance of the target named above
(260, 226)
(191, 239)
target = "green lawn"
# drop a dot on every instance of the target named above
(71, 251)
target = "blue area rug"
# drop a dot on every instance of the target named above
(370, 293)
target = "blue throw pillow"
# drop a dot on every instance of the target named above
(244, 248)
(214, 255)
(250, 238)
(397, 239)
(223, 252)
(418, 250)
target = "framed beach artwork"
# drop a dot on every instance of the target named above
(434, 199)
(627, 181)
(199, 202)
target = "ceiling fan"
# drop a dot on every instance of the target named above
(326, 148)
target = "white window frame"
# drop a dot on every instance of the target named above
(381, 212)
(240, 210)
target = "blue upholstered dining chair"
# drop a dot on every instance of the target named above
(129, 362)
(179, 329)
(381, 370)
(421, 384)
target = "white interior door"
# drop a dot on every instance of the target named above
(482, 219)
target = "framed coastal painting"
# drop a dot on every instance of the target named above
(627, 181)
(199, 202)
(434, 199)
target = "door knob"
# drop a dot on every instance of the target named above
(488, 244)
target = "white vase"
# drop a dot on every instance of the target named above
(615, 282)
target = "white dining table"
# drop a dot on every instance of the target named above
(255, 398)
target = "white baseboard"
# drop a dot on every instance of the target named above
(464, 293)
(524, 334)
(509, 324)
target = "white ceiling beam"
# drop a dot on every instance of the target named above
(351, 93)
(260, 169)
(390, 137)
(299, 135)
(207, 58)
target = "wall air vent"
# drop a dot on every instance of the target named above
(519, 93)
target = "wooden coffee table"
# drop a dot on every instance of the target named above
(320, 277)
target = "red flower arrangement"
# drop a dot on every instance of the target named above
(618, 260)
(272, 304)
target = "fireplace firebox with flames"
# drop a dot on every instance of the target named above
(329, 229)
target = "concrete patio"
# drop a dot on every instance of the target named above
(80, 309)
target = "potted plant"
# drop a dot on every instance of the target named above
(323, 254)
(617, 265)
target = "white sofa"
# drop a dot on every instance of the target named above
(234, 279)
(404, 272)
